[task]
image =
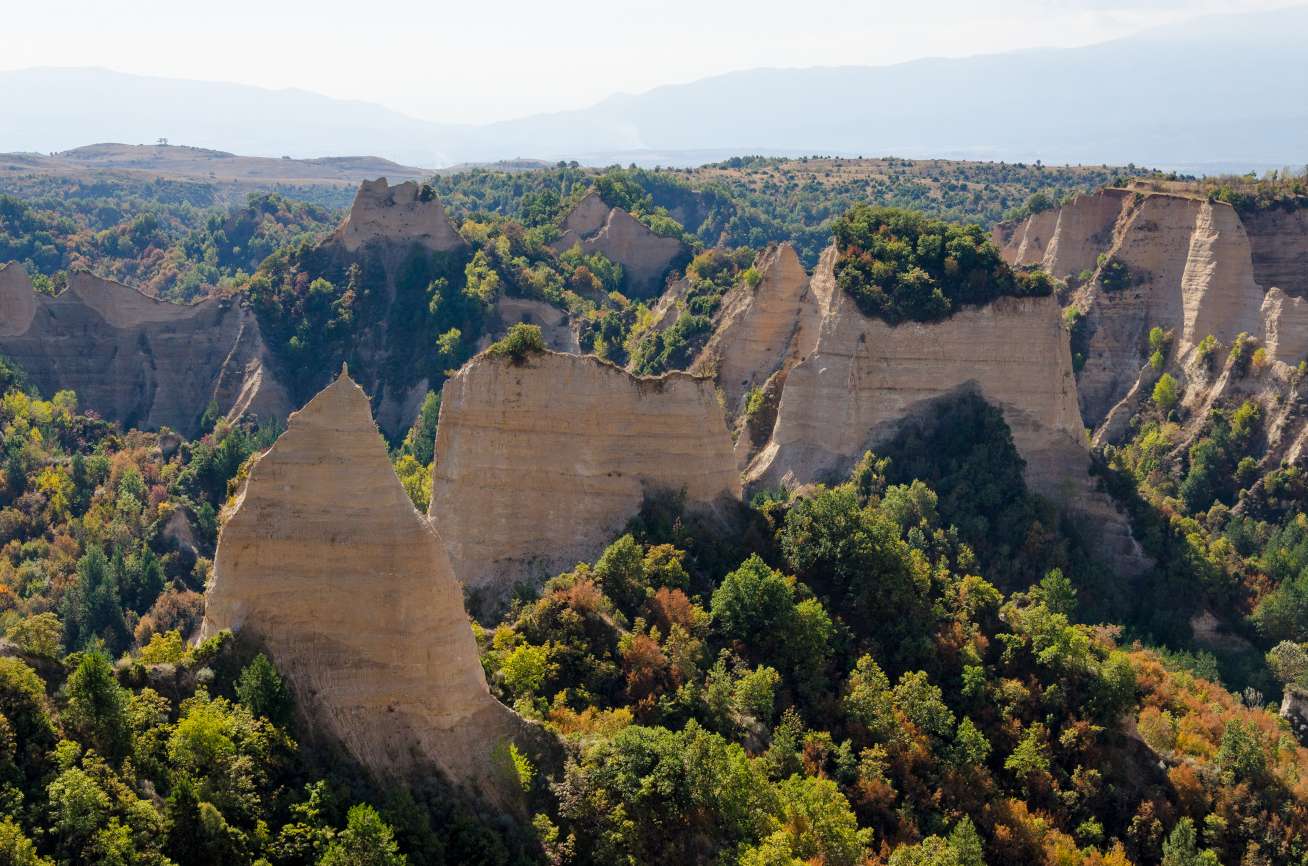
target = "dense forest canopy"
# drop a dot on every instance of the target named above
(900, 266)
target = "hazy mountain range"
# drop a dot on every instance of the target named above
(1217, 93)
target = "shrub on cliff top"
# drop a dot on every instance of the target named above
(900, 266)
(521, 341)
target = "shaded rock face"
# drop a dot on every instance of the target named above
(137, 360)
(645, 257)
(396, 240)
(1278, 241)
(396, 214)
(324, 562)
(863, 379)
(540, 464)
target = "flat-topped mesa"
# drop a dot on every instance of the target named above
(325, 564)
(864, 379)
(1175, 260)
(645, 256)
(135, 359)
(541, 461)
(397, 214)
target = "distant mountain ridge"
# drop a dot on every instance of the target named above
(1218, 93)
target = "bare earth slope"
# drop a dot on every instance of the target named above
(540, 464)
(399, 213)
(325, 563)
(135, 359)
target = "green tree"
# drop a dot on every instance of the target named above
(97, 706)
(261, 690)
(1181, 847)
(1167, 392)
(367, 840)
(16, 849)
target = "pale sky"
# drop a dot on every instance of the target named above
(496, 59)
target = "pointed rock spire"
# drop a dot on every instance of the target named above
(326, 564)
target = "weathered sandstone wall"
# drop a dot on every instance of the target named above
(864, 378)
(540, 464)
(555, 326)
(1195, 268)
(135, 359)
(1278, 241)
(1064, 241)
(324, 562)
(645, 257)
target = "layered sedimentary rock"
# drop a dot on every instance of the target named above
(645, 257)
(762, 330)
(863, 379)
(324, 562)
(397, 213)
(135, 359)
(541, 463)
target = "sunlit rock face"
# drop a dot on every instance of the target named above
(541, 463)
(325, 563)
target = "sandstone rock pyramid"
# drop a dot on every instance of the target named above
(645, 256)
(326, 564)
(393, 214)
(135, 359)
(541, 463)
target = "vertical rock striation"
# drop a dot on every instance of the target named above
(539, 464)
(135, 359)
(324, 562)
(761, 330)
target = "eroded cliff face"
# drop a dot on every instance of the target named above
(645, 257)
(1192, 267)
(324, 562)
(135, 359)
(1063, 241)
(396, 239)
(391, 214)
(863, 379)
(540, 464)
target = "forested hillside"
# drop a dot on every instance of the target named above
(918, 662)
